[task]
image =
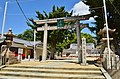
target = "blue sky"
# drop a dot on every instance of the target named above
(15, 18)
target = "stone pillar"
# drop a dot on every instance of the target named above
(117, 62)
(106, 64)
(78, 41)
(107, 61)
(28, 57)
(113, 62)
(3, 60)
(84, 52)
(19, 58)
(44, 54)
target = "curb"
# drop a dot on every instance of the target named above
(105, 73)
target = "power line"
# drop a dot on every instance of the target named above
(115, 7)
(22, 10)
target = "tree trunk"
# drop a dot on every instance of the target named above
(53, 50)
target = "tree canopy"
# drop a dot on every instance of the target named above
(26, 35)
(113, 15)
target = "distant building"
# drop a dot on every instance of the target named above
(72, 51)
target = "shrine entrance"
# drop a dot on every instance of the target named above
(58, 21)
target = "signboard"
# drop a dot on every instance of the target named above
(60, 23)
(84, 50)
(20, 51)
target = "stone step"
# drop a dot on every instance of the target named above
(54, 67)
(18, 77)
(51, 75)
(52, 71)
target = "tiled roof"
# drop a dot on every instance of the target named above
(25, 42)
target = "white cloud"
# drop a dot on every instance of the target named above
(80, 9)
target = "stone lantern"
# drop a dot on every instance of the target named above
(8, 57)
(104, 54)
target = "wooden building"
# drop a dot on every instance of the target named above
(24, 48)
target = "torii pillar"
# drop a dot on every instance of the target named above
(78, 41)
(44, 54)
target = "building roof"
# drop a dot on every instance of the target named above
(25, 42)
(73, 47)
(70, 50)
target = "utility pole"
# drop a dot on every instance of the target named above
(34, 44)
(4, 18)
(109, 65)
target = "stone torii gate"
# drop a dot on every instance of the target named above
(45, 28)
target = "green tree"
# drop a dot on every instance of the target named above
(56, 35)
(26, 35)
(89, 38)
(113, 14)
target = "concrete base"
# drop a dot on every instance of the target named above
(84, 64)
(43, 61)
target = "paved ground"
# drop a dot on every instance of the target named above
(67, 62)
(60, 63)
